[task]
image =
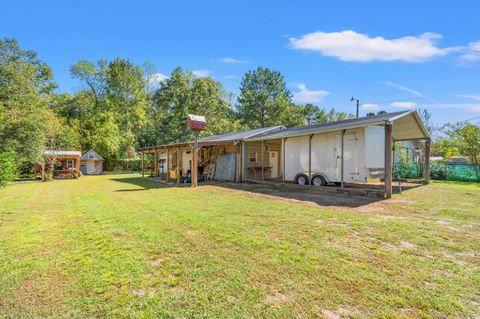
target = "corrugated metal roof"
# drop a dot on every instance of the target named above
(62, 153)
(280, 131)
(241, 135)
(332, 126)
(226, 137)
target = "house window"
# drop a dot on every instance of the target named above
(91, 156)
(252, 157)
(69, 163)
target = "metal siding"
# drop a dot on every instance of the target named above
(326, 151)
(296, 156)
(374, 151)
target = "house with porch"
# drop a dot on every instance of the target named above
(342, 153)
(63, 163)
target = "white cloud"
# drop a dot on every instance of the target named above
(462, 106)
(229, 77)
(468, 96)
(404, 104)
(201, 73)
(471, 52)
(349, 45)
(475, 108)
(404, 88)
(230, 60)
(157, 78)
(304, 95)
(369, 106)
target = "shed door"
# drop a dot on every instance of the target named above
(351, 160)
(90, 167)
(83, 168)
(274, 163)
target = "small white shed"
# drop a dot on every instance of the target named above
(91, 163)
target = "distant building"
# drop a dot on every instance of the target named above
(63, 163)
(458, 160)
(91, 163)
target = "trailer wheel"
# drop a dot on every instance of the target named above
(302, 180)
(318, 181)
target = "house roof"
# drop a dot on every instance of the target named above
(408, 125)
(231, 137)
(241, 135)
(96, 157)
(63, 153)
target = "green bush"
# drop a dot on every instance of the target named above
(439, 172)
(8, 168)
(26, 170)
(122, 165)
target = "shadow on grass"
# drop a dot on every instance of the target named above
(300, 193)
(143, 183)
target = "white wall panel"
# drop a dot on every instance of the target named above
(296, 156)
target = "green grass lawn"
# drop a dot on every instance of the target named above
(121, 246)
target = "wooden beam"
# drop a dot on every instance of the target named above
(194, 172)
(388, 160)
(283, 160)
(238, 167)
(167, 162)
(427, 161)
(155, 163)
(342, 161)
(143, 164)
(177, 170)
(77, 166)
(244, 161)
(151, 164)
(263, 165)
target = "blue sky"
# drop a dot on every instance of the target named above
(391, 56)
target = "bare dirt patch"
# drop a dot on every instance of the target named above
(278, 298)
(294, 195)
(407, 245)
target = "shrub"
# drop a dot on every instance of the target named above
(8, 168)
(439, 172)
(26, 169)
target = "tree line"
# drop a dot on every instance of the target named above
(120, 107)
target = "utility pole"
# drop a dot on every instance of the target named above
(358, 104)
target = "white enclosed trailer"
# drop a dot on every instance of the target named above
(363, 155)
(353, 150)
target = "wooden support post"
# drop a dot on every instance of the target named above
(427, 161)
(143, 164)
(77, 166)
(194, 167)
(388, 160)
(194, 171)
(342, 162)
(177, 170)
(244, 161)
(238, 168)
(155, 161)
(310, 159)
(167, 166)
(151, 164)
(283, 160)
(263, 165)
